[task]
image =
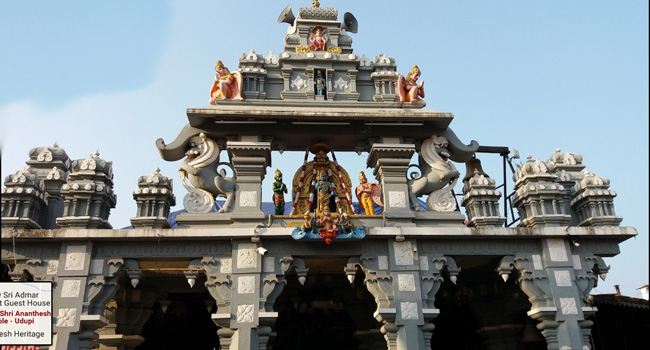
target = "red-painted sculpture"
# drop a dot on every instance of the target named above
(226, 85)
(409, 89)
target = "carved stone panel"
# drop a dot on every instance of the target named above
(406, 282)
(52, 266)
(246, 285)
(246, 256)
(557, 249)
(66, 317)
(409, 310)
(245, 313)
(248, 199)
(75, 257)
(226, 265)
(403, 253)
(383, 262)
(537, 262)
(70, 288)
(568, 306)
(563, 278)
(396, 199)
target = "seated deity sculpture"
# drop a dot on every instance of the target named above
(226, 85)
(318, 39)
(409, 89)
(327, 224)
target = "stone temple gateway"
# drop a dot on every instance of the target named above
(321, 272)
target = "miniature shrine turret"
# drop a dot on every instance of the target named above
(154, 197)
(88, 194)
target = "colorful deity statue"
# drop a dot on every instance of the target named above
(226, 85)
(368, 194)
(319, 83)
(409, 89)
(318, 39)
(324, 193)
(327, 226)
(315, 3)
(279, 189)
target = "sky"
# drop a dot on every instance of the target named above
(535, 76)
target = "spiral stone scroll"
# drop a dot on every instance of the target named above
(442, 199)
(198, 201)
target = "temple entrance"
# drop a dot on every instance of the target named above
(184, 324)
(327, 312)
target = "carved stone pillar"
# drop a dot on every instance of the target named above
(390, 163)
(245, 287)
(549, 280)
(404, 286)
(249, 160)
(83, 287)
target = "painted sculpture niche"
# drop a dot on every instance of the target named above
(310, 175)
(279, 189)
(320, 192)
(437, 176)
(320, 84)
(318, 39)
(409, 89)
(368, 194)
(200, 169)
(226, 85)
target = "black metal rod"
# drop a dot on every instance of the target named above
(505, 187)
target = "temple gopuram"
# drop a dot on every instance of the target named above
(400, 256)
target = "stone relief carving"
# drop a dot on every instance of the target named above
(299, 82)
(248, 199)
(75, 257)
(406, 282)
(396, 199)
(52, 266)
(200, 169)
(246, 285)
(557, 249)
(341, 84)
(568, 306)
(245, 313)
(403, 253)
(409, 310)
(70, 288)
(563, 278)
(383, 262)
(246, 256)
(66, 317)
(436, 174)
